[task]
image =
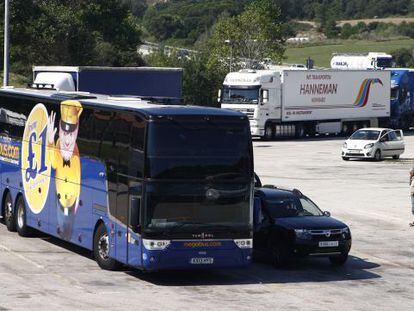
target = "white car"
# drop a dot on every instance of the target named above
(374, 143)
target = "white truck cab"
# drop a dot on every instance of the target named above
(257, 93)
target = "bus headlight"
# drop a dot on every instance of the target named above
(244, 243)
(152, 245)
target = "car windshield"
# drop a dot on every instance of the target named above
(365, 135)
(292, 207)
(238, 95)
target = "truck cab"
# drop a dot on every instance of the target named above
(256, 93)
(402, 98)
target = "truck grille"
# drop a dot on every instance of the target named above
(247, 111)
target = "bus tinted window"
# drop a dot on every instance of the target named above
(199, 149)
(13, 116)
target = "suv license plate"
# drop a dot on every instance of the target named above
(202, 261)
(328, 244)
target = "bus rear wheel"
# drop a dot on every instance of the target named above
(21, 223)
(9, 218)
(101, 249)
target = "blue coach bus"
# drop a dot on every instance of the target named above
(146, 185)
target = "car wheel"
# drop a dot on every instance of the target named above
(396, 157)
(269, 132)
(279, 256)
(377, 155)
(339, 260)
(345, 158)
(101, 250)
(9, 218)
(21, 224)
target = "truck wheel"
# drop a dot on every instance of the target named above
(269, 132)
(9, 218)
(377, 155)
(300, 131)
(21, 224)
(101, 249)
(396, 157)
(339, 260)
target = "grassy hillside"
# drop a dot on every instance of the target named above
(322, 54)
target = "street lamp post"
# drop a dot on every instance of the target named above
(6, 44)
(231, 52)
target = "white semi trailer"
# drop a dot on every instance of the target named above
(361, 61)
(300, 103)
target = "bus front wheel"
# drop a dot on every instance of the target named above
(9, 218)
(101, 249)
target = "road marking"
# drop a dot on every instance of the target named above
(5, 248)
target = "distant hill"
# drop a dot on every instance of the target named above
(187, 20)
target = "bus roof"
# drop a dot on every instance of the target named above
(145, 106)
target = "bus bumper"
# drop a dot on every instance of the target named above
(176, 258)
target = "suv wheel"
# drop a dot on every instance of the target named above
(279, 256)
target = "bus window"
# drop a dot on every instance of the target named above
(13, 116)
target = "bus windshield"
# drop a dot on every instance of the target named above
(200, 174)
(238, 95)
(199, 149)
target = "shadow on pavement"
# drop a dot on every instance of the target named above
(301, 271)
(307, 270)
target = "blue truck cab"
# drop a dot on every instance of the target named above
(402, 98)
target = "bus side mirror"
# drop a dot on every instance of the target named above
(219, 96)
(265, 96)
(134, 214)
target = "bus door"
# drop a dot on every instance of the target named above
(134, 224)
(128, 244)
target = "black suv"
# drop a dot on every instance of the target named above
(288, 224)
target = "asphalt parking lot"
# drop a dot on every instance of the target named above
(371, 197)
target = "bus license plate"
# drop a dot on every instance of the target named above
(202, 261)
(328, 244)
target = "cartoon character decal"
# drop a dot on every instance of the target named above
(65, 160)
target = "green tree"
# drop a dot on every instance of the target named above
(78, 32)
(404, 57)
(200, 81)
(253, 35)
